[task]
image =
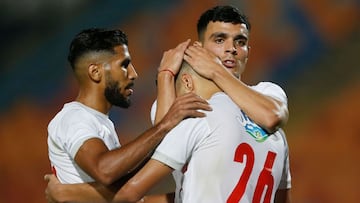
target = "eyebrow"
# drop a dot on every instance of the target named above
(225, 35)
(218, 34)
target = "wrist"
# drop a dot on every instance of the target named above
(167, 71)
(163, 126)
(60, 193)
(164, 79)
(219, 75)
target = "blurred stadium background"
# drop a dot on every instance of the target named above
(310, 48)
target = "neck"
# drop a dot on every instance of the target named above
(207, 89)
(93, 101)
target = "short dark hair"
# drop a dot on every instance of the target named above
(94, 40)
(227, 14)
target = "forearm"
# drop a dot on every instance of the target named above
(160, 198)
(107, 166)
(165, 94)
(79, 193)
(121, 162)
(263, 110)
(82, 192)
(169, 67)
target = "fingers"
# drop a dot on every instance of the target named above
(51, 178)
(182, 46)
(190, 103)
(197, 44)
(172, 58)
(46, 177)
(185, 106)
(190, 97)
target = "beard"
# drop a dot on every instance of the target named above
(113, 95)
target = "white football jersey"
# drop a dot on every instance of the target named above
(68, 130)
(224, 157)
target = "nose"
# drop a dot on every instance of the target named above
(231, 48)
(132, 75)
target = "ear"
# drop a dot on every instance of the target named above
(248, 54)
(188, 83)
(95, 72)
(198, 43)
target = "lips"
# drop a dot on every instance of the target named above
(229, 63)
(128, 89)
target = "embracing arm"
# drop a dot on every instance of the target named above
(133, 191)
(84, 192)
(169, 67)
(108, 166)
(160, 198)
(266, 111)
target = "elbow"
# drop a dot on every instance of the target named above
(105, 178)
(275, 120)
(106, 181)
(127, 194)
(271, 125)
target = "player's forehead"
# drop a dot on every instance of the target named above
(121, 52)
(224, 28)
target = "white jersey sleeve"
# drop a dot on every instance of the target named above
(285, 182)
(153, 112)
(177, 147)
(272, 90)
(67, 132)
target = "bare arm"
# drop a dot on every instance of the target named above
(107, 166)
(161, 198)
(171, 61)
(269, 113)
(152, 173)
(133, 191)
(86, 192)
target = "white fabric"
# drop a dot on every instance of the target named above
(271, 89)
(68, 130)
(267, 88)
(206, 147)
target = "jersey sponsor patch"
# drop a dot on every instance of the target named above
(259, 134)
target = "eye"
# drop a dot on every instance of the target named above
(219, 40)
(125, 63)
(240, 42)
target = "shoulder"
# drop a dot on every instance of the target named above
(76, 112)
(72, 113)
(271, 89)
(222, 103)
(267, 86)
(220, 98)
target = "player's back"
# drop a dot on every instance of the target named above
(235, 162)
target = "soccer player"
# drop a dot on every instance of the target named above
(221, 54)
(82, 142)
